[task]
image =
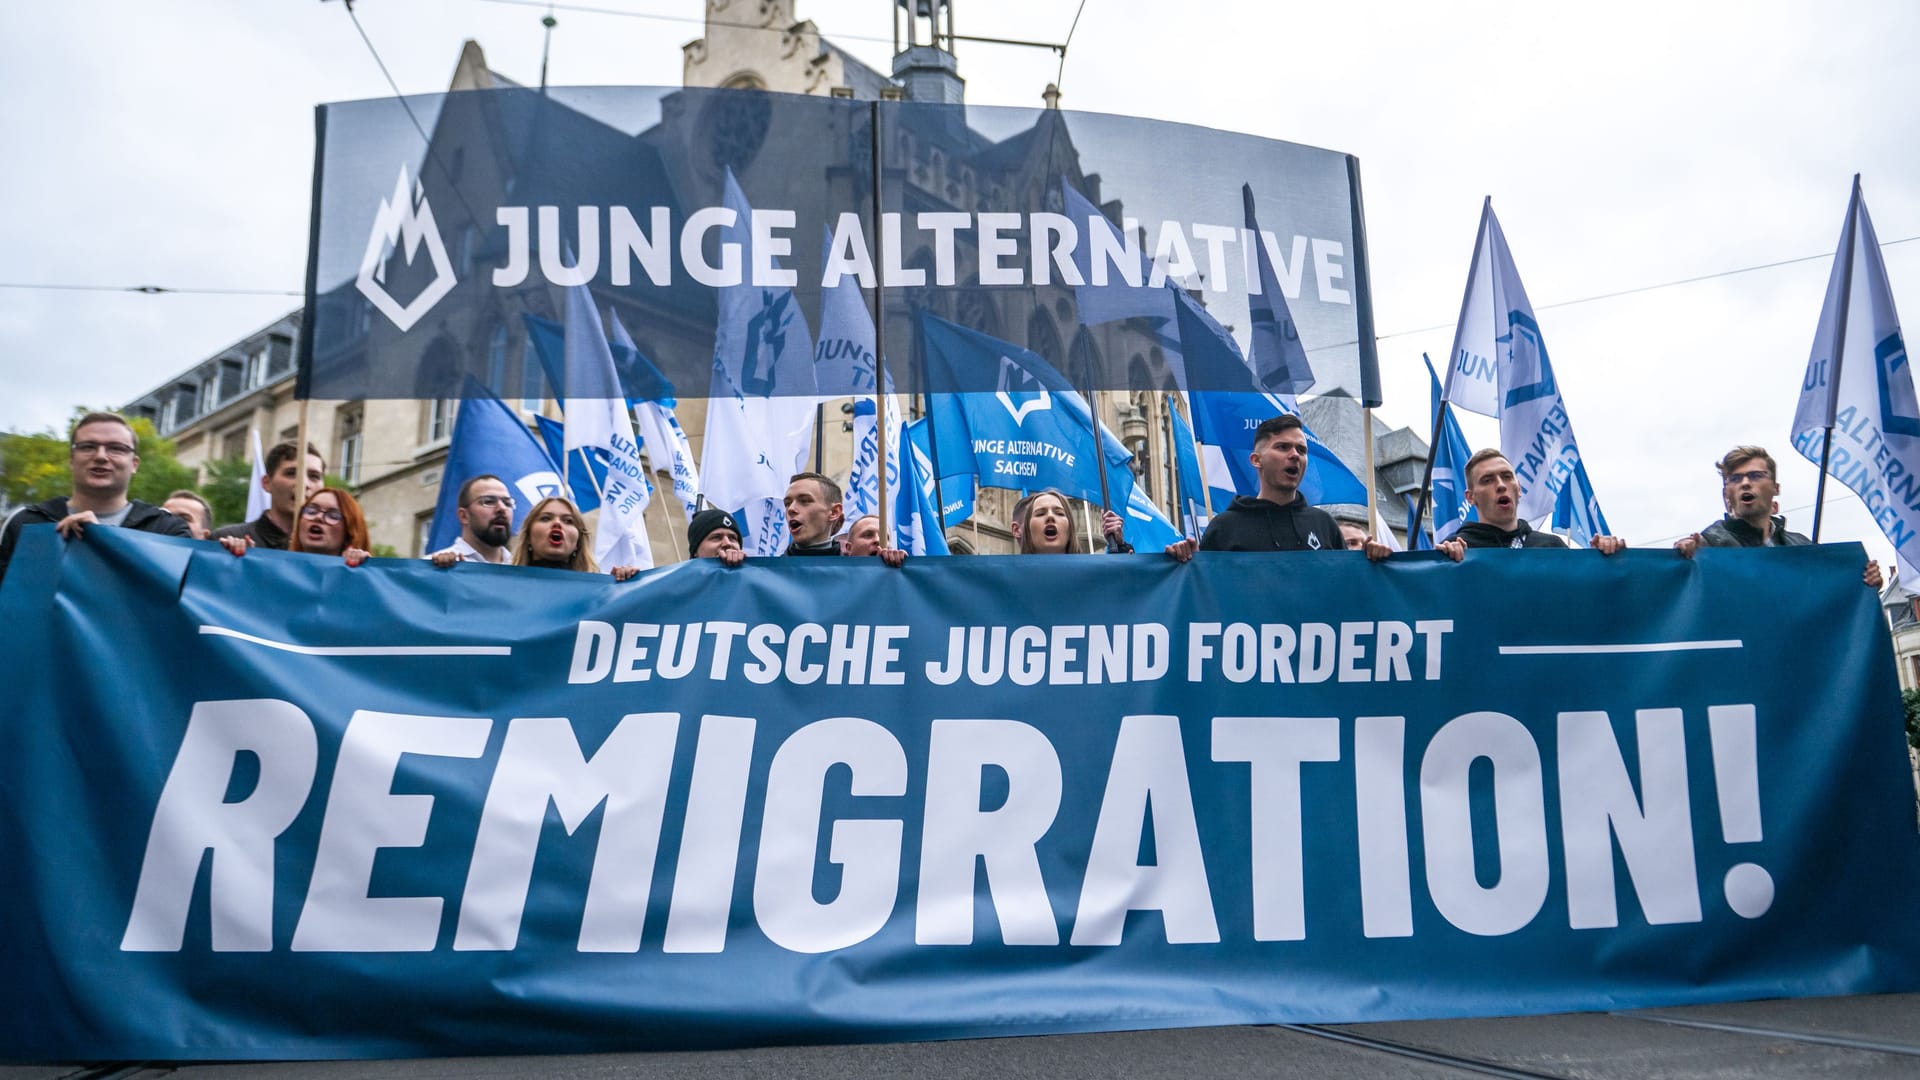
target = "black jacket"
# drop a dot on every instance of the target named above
(1730, 531)
(262, 529)
(829, 546)
(1255, 524)
(141, 516)
(1479, 534)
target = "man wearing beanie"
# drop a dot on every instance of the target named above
(712, 534)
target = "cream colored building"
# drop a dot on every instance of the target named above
(392, 451)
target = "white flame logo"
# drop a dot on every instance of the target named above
(405, 221)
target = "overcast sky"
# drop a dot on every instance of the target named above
(1624, 145)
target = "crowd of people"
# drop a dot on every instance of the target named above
(304, 515)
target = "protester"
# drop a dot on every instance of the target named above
(1045, 525)
(486, 524)
(1494, 491)
(329, 524)
(555, 536)
(282, 481)
(1278, 518)
(712, 534)
(1353, 534)
(864, 538)
(1750, 490)
(101, 460)
(814, 514)
(191, 509)
(1013, 518)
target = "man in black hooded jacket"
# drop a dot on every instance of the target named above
(1277, 519)
(1495, 493)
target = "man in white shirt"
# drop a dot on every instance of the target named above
(486, 524)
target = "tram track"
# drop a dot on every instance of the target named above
(1844, 1042)
(1486, 1067)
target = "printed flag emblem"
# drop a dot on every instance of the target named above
(405, 221)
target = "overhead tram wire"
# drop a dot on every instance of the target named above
(1060, 74)
(148, 290)
(1642, 289)
(425, 139)
(627, 13)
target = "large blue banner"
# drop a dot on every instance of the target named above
(277, 807)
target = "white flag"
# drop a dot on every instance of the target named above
(1471, 382)
(660, 434)
(597, 421)
(760, 408)
(1859, 384)
(1497, 320)
(258, 501)
(846, 356)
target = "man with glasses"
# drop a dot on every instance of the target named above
(282, 483)
(1749, 489)
(486, 524)
(103, 461)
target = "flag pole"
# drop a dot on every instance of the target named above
(1200, 459)
(300, 455)
(879, 350)
(1426, 478)
(1839, 350)
(1173, 465)
(1373, 510)
(1453, 360)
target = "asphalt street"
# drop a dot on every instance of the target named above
(1850, 1037)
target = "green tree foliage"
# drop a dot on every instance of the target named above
(160, 474)
(36, 467)
(228, 483)
(1911, 699)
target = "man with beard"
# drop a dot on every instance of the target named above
(282, 483)
(1750, 489)
(102, 461)
(486, 524)
(1495, 492)
(1278, 518)
(814, 514)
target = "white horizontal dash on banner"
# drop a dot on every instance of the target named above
(362, 650)
(1601, 650)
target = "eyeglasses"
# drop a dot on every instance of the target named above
(491, 501)
(113, 449)
(1755, 475)
(330, 516)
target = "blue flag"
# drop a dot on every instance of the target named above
(1186, 461)
(1027, 429)
(1450, 453)
(1225, 420)
(919, 529)
(1145, 527)
(1418, 538)
(489, 438)
(642, 381)
(1279, 360)
(1577, 511)
(585, 474)
(1112, 269)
